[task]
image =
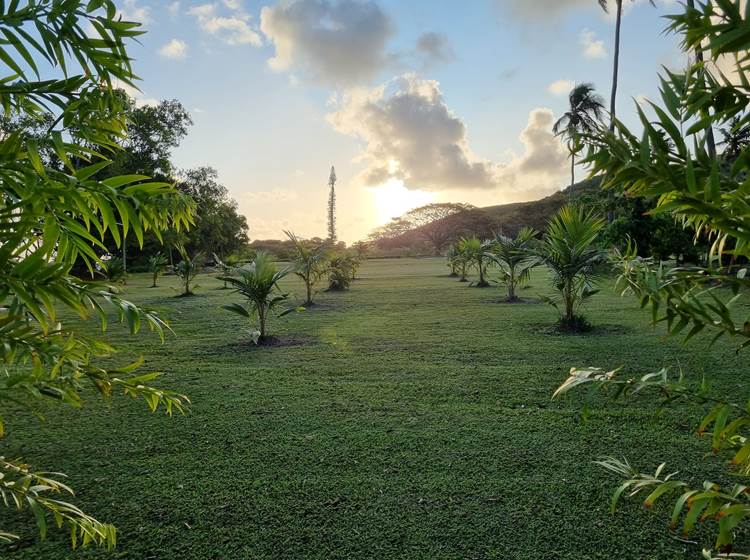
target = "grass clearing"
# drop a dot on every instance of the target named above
(407, 418)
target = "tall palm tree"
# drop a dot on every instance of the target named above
(586, 108)
(616, 64)
(736, 138)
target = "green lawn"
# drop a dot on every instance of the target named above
(408, 418)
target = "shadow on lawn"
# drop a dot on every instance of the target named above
(556, 329)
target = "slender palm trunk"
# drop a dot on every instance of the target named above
(710, 140)
(512, 285)
(262, 323)
(480, 265)
(616, 66)
(568, 297)
(308, 286)
(153, 285)
(572, 173)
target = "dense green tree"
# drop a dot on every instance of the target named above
(54, 214)
(219, 227)
(153, 131)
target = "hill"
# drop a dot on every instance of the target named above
(402, 238)
(535, 213)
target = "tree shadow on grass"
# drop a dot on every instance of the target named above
(272, 341)
(557, 329)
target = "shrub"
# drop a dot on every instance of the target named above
(341, 271)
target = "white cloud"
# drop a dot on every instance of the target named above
(561, 87)
(410, 135)
(340, 42)
(593, 47)
(233, 28)
(173, 8)
(176, 49)
(132, 10)
(543, 152)
(233, 4)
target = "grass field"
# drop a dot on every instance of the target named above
(408, 418)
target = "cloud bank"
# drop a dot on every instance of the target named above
(340, 42)
(410, 134)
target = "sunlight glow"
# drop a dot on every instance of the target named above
(393, 199)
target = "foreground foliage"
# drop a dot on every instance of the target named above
(709, 194)
(54, 212)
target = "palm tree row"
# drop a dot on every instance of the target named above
(568, 249)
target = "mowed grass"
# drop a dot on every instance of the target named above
(407, 418)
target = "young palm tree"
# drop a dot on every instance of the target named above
(188, 268)
(309, 263)
(258, 283)
(569, 251)
(475, 253)
(342, 268)
(515, 259)
(616, 62)
(453, 260)
(156, 265)
(585, 110)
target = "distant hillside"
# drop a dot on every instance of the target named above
(535, 213)
(482, 222)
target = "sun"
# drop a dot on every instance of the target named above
(393, 199)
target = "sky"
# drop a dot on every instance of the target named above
(412, 101)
